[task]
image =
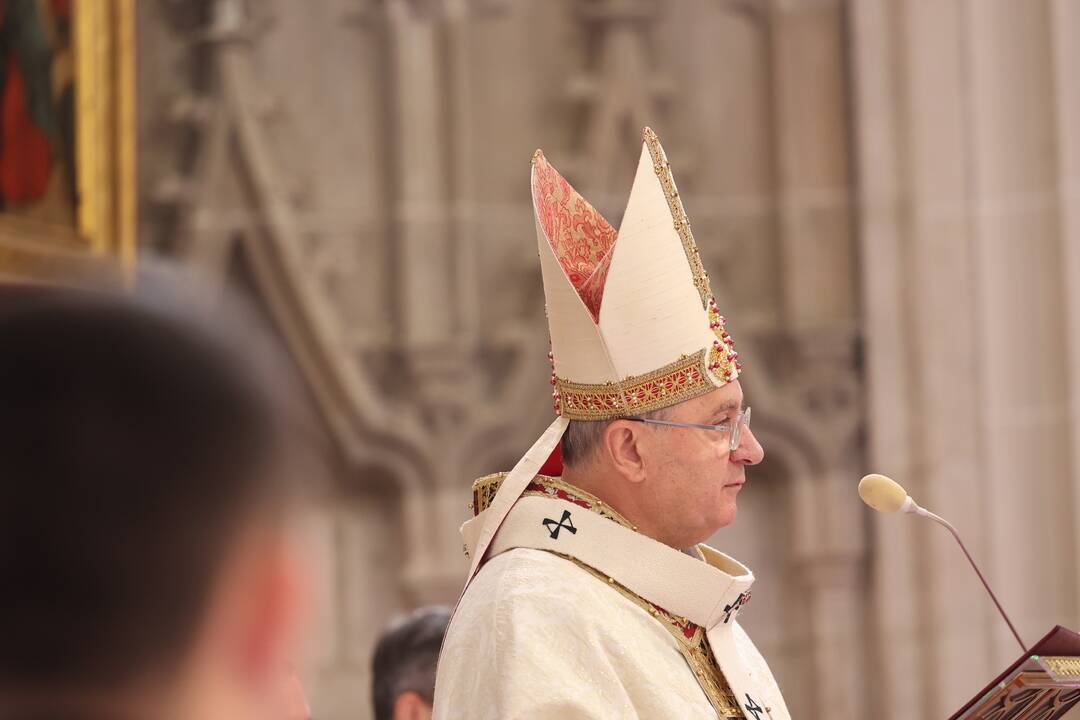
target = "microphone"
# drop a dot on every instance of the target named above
(886, 495)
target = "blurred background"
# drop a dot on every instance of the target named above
(886, 194)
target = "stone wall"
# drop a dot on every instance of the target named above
(885, 195)
(966, 117)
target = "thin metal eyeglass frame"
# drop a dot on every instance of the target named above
(743, 419)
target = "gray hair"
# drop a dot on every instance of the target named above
(582, 437)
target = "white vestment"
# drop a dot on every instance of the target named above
(550, 627)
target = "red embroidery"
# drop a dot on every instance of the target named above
(670, 386)
(536, 486)
(580, 237)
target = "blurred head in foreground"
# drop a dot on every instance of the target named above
(146, 497)
(403, 668)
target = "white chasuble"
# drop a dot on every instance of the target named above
(575, 615)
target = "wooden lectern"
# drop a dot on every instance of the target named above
(1044, 684)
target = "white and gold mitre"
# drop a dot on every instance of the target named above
(634, 326)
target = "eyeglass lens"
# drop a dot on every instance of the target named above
(743, 419)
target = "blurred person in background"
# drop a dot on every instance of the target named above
(403, 667)
(148, 492)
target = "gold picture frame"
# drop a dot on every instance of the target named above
(96, 235)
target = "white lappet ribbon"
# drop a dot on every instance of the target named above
(708, 591)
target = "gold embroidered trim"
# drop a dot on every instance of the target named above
(695, 648)
(722, 362)
(484, 490)
(1062, 667)
(678, 215)
(684, 379)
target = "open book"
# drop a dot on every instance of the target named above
(1044, 684)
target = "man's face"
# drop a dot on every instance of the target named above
(692, 477)
(410, 706)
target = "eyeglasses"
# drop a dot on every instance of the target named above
(732, 427)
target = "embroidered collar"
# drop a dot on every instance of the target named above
(691, 637)
(485, 488)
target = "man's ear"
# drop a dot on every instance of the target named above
(622, 444)
(258, 611)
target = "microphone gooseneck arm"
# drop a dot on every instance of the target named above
(948, 526)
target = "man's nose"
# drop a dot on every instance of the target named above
(749, 450)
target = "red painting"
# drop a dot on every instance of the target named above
(37, 95)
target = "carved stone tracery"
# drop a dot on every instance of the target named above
(419, 387)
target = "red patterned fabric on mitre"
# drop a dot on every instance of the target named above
(580, 237)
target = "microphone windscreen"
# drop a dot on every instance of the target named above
(882, 493)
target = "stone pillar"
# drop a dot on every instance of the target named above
(818, 309)
(894, 672)
(1019, 321)
(1065, 20)
(812, 149)
(946, 463)
(421, 222)
(835, 609)
(427, 57)
(962, 258)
